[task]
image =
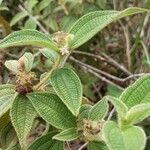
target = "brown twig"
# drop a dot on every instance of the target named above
(83, 146)
(116, 64)
(126, 34)
(34, 19)
(107, 59)
(90, 69)
(67, 143)
(95, 71)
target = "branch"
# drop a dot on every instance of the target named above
(34, 19)
(83, 146)
(90, 69)
(107, 59)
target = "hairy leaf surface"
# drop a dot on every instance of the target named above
(51, 109)
(99, 110)
(138, 113)
(7, 95)
(12, 65)
(68, 87)
(132, 138)
(50, 54)
(22, 115)
(120, 107)
(28, 37)
(137, 93)
(4, 120)
(8, 136)
(88, 25)
(28, 59)
(47, 143)
(67, 135)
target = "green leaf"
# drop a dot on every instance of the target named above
(7, 96)
(19, 16)
(22, 116)
(137, 93)
(99, 110)
(12, 65)
(67, 22)
(4, 120)
(14, 147)
(84, 111)
(30, 4)
(113, 91)
(7, 86)
(120, 107)
(30, 24)
(97, 146)
(47, 143)
(8, 136)
(50, 54)
(138, 113)
(88, 25)
(28, 59)
(67, 135)
(68, 87)
(132, 138)
(43, 4)
(51, 23)
(28, 37)
(52, 110)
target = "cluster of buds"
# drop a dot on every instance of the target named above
(24, 83)
(63, 40)
(91, 130)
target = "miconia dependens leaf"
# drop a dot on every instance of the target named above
(7, 86)
(99, 110)
(137, 93)
(7, 96)
(120, 107)
(28, 59)
(50, 54)
(138, 113)
(19, 16)
(8, 137)
(22, 115)
(47, 143)
(51, 109)
(28, 37)
(4, 120)
(88, 25)
(12, 65)
(67, 135)
(68, 87)
(131, 138)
